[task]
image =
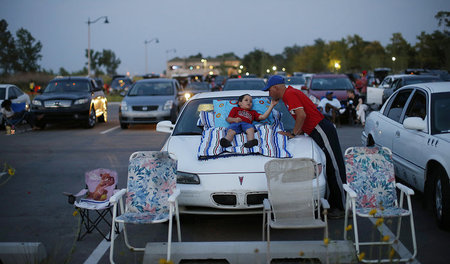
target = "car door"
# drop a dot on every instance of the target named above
(409, 146)
(97, 97)
(389, 121)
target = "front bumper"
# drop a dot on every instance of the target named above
(61, 114)
(143, 117)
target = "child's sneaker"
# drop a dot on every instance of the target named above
(251, 143)
(225, 143)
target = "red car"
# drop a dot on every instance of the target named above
(320, 84)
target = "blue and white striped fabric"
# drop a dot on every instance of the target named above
(271, 143)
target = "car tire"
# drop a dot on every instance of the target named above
(124, 126)
(104, 117)
(441, 198)
(92, 118)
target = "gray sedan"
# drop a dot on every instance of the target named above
(150, 101)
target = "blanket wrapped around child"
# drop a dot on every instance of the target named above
(270, 142)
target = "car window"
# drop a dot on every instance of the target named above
(395, 109)
(67, 86)
(244, 85)
(187, 122)
(151, 88)
(418, 106)
(2, 93)
(331, 84)
(440, 108)
(17, 91)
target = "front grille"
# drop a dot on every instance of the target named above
(225, 199)
(145, 107)
(57, 103)
(256, 198)
(148, 119)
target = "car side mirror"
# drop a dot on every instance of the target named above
(165, 126)
(414, 123)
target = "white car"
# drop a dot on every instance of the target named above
(415, 124)
(235, 184)
(13, 93)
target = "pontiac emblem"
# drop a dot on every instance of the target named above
(241, 179)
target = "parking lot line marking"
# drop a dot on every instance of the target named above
(100, 250)
(402, 251)
(109, 130)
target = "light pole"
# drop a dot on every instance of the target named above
(146, 56)
(89, 22)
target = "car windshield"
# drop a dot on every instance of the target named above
(244, 85)
(67, 86)
(198, 86)
(187, 123)
(295, 80)
(331, 84)
(151, 88)
(440, 107)
(2, 93)
(121, 82)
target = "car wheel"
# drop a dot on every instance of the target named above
(123, 126)
(104, 117)
(441, 199)
(90, 123)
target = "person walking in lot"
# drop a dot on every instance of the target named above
(309, 120)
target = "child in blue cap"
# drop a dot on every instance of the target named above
(241, 118)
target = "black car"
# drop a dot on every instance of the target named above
(406, 79)
(71, 98)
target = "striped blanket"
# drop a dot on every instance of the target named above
(271, 143)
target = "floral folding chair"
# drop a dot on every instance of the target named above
(151, 195)
(93, 202)
(371, 193)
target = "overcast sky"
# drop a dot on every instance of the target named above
(211, 27)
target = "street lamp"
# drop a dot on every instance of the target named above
(146, 56)
(89, 22)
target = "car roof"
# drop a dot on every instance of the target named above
(433, 87)
(6, 85)
(71, 78)
(157, 80)
(233, 93)
(329, 76)
(245, 79)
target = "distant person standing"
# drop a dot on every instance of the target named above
(361, 84)
(309, 120)
(32, 85)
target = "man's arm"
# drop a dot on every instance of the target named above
(300, 117)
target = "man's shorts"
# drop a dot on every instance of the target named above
(240, 127)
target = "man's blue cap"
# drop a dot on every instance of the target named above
(329, 93)
(274, 80)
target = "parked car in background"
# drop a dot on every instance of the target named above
(13, 93)
(295, 81)
(71, 98)
(149, 101)
(415, 125)
(401, 80)
(191, 89)
(320, 84)
(231, 185)
(244, 84)
(120, 85)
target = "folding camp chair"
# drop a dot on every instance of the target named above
(16, 108)
(151, 195)
(294, 197)
(93, 202)
(371, 193)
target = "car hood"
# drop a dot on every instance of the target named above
(154, 100)
(185, 149)
(70, 96)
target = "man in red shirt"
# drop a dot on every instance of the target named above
(309, 120)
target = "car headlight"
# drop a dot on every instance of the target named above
(123, 106)
(187, 96)
(81, 101)
(36, 103)
(168, 105)
(187, 178)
